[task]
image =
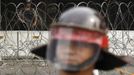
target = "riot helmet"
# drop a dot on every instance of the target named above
(76, 39)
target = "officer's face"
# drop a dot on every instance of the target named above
(73, 55)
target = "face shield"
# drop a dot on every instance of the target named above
(73, 49)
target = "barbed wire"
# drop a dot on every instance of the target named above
(33, 19)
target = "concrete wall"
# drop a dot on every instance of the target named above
(17, 44)
(14, 43)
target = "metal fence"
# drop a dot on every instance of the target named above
(24, 26)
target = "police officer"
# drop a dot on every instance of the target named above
(78, 43)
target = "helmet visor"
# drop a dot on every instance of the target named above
(72, 48)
